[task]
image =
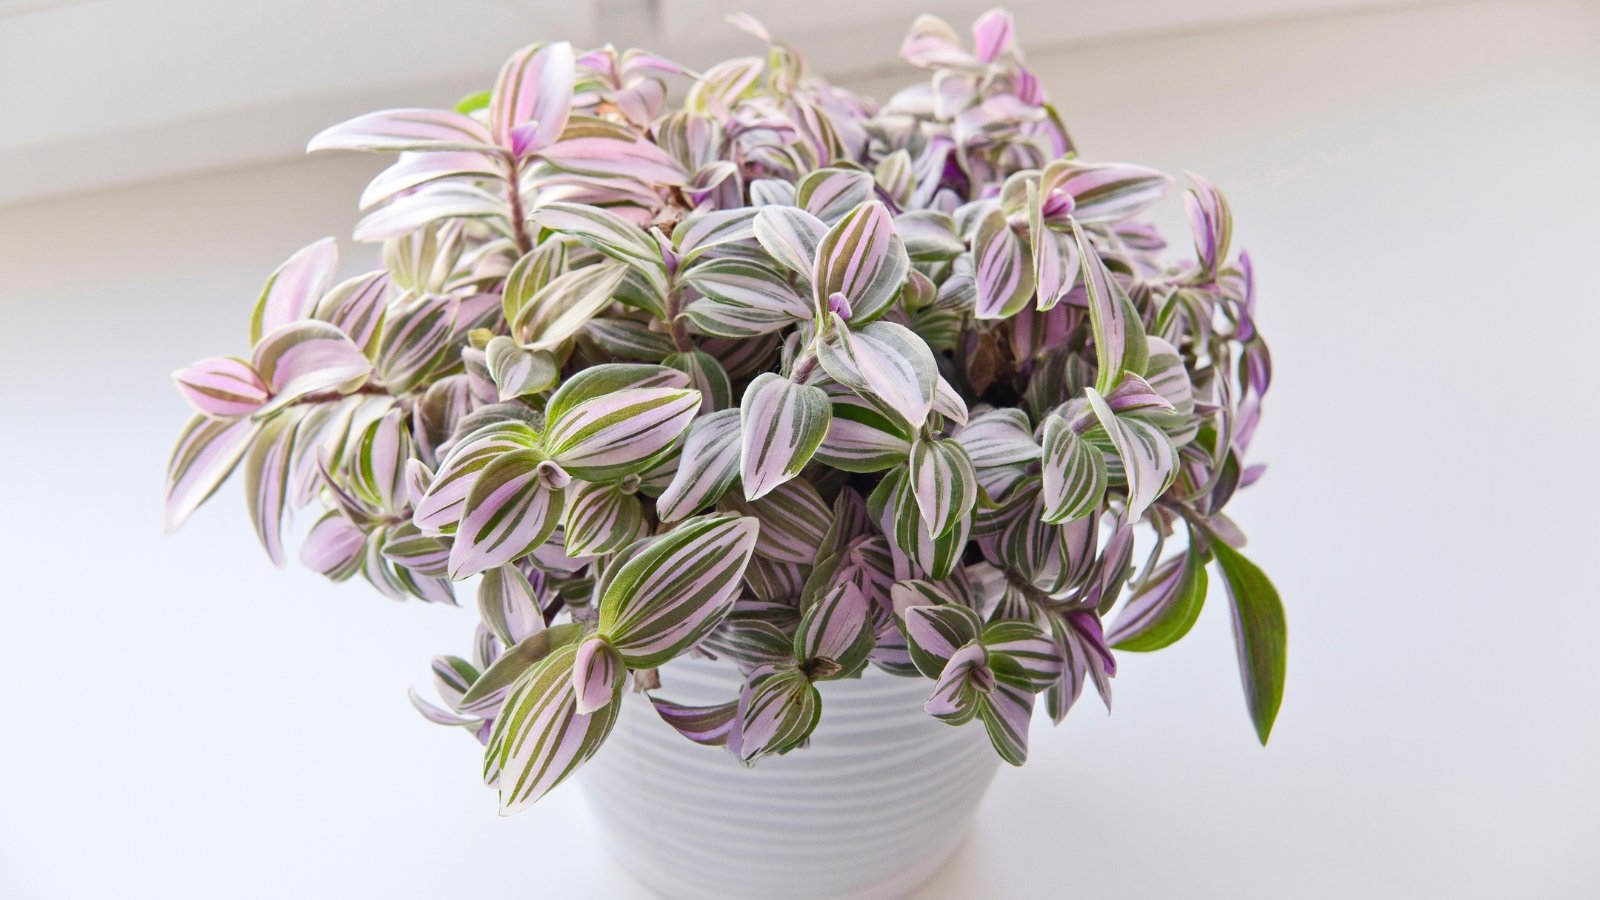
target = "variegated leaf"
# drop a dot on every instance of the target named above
(518, 371)
(794, 521)
(894, 507)
(206, 453)
(743, 298)
(862, 437)
(1119, 340)
(1004, 274)
(943, 482)
(1073, 473)
(607, 379)
(935, 633)
(836, 633)
(511, 508)
(703, 231)
(862, 260)
(709, 726)
(334, 547)
(393, 130)
(1149, 462)
(559, 309)
(790, 236)
(508, 605)
(669, 595)
(999, 437)
(706, 375)
(440, 507)
(707, 466)
(1005, 714)
(609, 233)
(883, 362)
(597, 675)
(1165, 606)
(600, 519)
(222, 387)
(831, 194)
(292, 291)
(1024, 654)
(266, 481)
(540, 738)
(532, 97)
(778, 709)
(781, 423)
(961, 686)
(307, 357)
(488, 691)
(614, 435)
(1105, 192)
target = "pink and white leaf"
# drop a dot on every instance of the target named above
(207, 451)
(308, 357)
(509, 605)
(510, 509)
(540, 738)
(707, 466)
(782, 424)
(943, 482)
(1073, 473)
(1149, 462)
(1004, 271)
(613, 435)
(961, 685)
(292, 291)
(837, 628)
(393, 130)
(607, 157)
(334, 547)
(1005, 714)
(778, 709)
(790, 236)
(532, 97)
(429, 204)
(884, 362)
(862, 259)
(706, 725)
(223, 387)
(1105, 192)
(1107, 314)
(597, 675)
(935, 633)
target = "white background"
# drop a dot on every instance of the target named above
(1418, 188)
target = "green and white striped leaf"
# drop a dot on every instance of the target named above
(617, 434)
(999, 437)
(207, 451)
(1023, 653)
(508, 605)
(540, 738)
(935, 632)
(778, 709)
(266, 480)
(782, 423)
(1149, 461)
(672, 593)
(943, 482)
(790, 236)
(830, 194)
(517, 371)
(561, 308)
(1119, 338)
(703, 231)
(1004, 268)
(894, 507)
(706, 375)
(1005, 714)
(439, 509)
(1165, 606)
(600, 519)
(1073, 473)
(707, 466)
(610, 378)
(608, 233)
(743, 298)
(307, 357)
(862, 437)
(794, 521)
(883, 362)
(836, 633)
(1105, 192)
(961, 686)
(597, 675)
(511, 508)
(488, 691)
(862, 258)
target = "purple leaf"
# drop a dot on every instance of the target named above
(1004, 272)
(333, 547)
(706, 725)
(992, 35)
(934, 633)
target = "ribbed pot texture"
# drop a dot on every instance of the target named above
(871, 809)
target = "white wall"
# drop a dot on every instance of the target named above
(1418, 190)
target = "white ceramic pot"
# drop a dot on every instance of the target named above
(871, 809)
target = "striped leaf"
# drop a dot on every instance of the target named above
(378, 462)
(706, 375)
(559, 309)
(540, 738)
(628, 339)
(672, 593)
(600, 519)
(707, 466)
(440, 507)
(1055, 256)
(794, 521)
(935, 633)
(790, 236)
(1005, 715)
(1004, 270)
(835, 634)
(1119, 340)
(608, 233)
(1259, 632)
(709, 726)
(702, 231)
(429, 204)
(943, 482)
(961, 686)
(781, 423)
(334, 547)
(1073, 473)
(1105, 192)
(405, 545)
(778, 709)
(1020, 652)
(597, 675)
(862, 437)
(719, 86)
(393, 130)
(518, 371)
(292, 291)
(831, 194)
(357, 307)
(1149, 462)
(883, 362)
(613, 155)
(266, 481)
(511, 508)
(743, 298)
(206, 453)
(488, 692)
(1165, 607)
(999, 437)
(614, 435)
(749, 641)
(532, 97)
(307, 357)
(863, 260)
(224, 387)
(894, 507)
(1211, 221)
(508, 605)
(610, 378)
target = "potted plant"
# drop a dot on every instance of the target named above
(768, 418)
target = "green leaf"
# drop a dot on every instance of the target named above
(1260, 633)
